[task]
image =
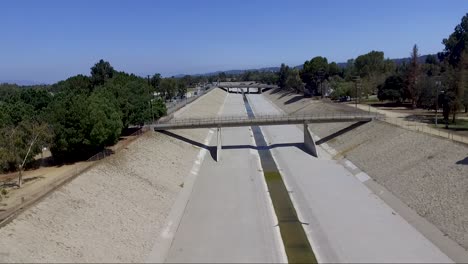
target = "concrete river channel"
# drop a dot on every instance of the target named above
(296, 244)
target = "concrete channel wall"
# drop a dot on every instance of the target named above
(427, 173)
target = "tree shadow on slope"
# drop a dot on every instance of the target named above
(294, 99)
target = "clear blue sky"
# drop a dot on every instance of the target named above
(46, 41)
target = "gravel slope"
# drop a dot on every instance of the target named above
(115, 211)
(425, 172)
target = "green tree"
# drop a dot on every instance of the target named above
(340, 87)
(455, 55)
(78, 83)
(155, 80)
(168, 88)
(294, 81)
(428, 92)
(20, 143)
(431, 59)
(370, 67)
(392, 89)
(222, 77)
(38, 99)
(283, 76)
(181, 88)
(101, 72)
(104, 119)
(334, 69)
(412, 77)
(314, 72)
(456, 43)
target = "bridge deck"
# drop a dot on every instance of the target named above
(261, 120)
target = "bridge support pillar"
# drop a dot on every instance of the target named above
(309, 141)
(260, 90)
(248, 90)
(218, 145)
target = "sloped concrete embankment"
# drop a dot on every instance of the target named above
(427, 173)
(115, 211)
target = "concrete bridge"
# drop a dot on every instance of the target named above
(262, 120)
(254, 87)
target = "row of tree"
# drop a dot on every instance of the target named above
(79, 116)
(430, 81)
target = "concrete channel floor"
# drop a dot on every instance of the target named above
(346, 222)
(229, 216)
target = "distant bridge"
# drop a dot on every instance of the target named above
(254, 87)
(262, 120)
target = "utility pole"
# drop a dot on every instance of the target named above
(357, 84)
(151, 98)
(437, 82)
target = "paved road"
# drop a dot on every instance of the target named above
(229, 217)
(346, 221)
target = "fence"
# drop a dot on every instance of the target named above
(15, 206)
(172, 107)
(420, 125)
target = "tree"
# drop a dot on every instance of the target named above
(155, 80)
(283, 76)
(428, 92)
(104, 119)
(371, 68)
(20, 143)
(412, 78)
(83, 125)
(314, 72)
(222, 77)
(38, 99)
(340, 87)
(431, 59)
(294, 81)
(168, 88)
(456, 43)
(78, 84)
(101, 72)
(334, 69)
(454, 55)
(350, 70)
(369, 64)
(392, 89)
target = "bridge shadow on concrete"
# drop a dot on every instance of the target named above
(299, 145)
(212, 149)
(340, 132)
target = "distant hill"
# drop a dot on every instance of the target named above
(421, 59)
(21, 82)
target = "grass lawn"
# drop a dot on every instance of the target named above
(371, 100)
(460, 124)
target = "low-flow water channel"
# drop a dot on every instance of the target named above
(296, 244)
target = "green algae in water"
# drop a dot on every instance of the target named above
(296, 244)
(295, 241)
